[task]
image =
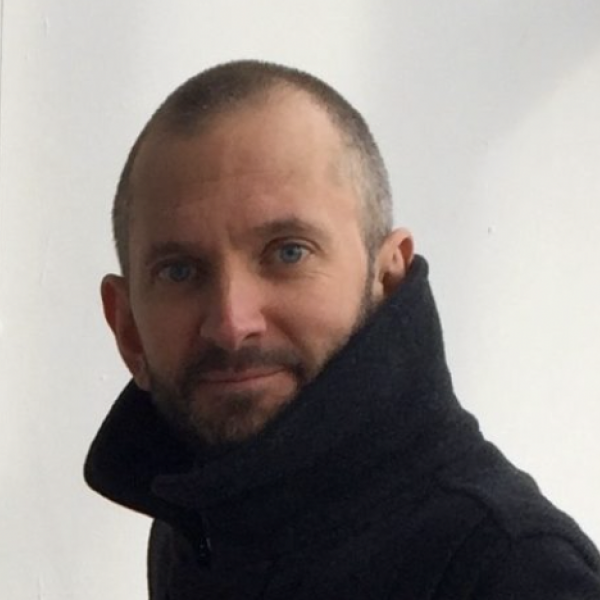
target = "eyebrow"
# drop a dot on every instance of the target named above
(290, 226)
(287, 226)
(161, 249)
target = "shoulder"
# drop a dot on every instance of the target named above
(510, 498)
(522, 546)
(489, 566)
(543, 566)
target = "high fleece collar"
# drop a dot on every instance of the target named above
(384, 404)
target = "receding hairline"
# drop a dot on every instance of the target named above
(167, 127)
(204, 99)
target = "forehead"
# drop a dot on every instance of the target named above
(286, 134)
(283, 154)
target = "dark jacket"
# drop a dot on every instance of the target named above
(373, 483)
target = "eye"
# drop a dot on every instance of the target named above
(177, 272)
(291, 253)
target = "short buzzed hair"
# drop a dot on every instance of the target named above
(223, 88)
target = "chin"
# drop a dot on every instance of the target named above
(233, 418)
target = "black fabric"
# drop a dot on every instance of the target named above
(373, 483)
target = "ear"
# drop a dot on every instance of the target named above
(392, 263)
(118, 315)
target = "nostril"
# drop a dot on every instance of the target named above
(230, 322)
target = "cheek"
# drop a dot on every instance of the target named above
(318, 320)
(166, 335)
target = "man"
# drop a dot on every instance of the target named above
(291, 426)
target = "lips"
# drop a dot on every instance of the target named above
(224, 377)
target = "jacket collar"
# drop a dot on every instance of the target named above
(383, 404)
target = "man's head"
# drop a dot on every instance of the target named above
(253, 226)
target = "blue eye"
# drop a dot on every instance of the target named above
(291, 253)
(178, 272)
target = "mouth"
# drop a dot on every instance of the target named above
(238, 377)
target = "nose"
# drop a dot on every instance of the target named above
(234, 313)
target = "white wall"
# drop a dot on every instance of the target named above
(489, 115)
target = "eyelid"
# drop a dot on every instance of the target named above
(162, 263)
(282, 242)
(159, 268)
(276, 245)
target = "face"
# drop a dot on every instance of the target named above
(248, 269)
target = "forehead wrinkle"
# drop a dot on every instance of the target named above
(267, 176)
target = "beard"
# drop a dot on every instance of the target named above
(225, 417)
(236, 416)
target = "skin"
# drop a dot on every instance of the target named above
(248, 269)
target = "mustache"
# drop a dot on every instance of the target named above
(215, 358)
